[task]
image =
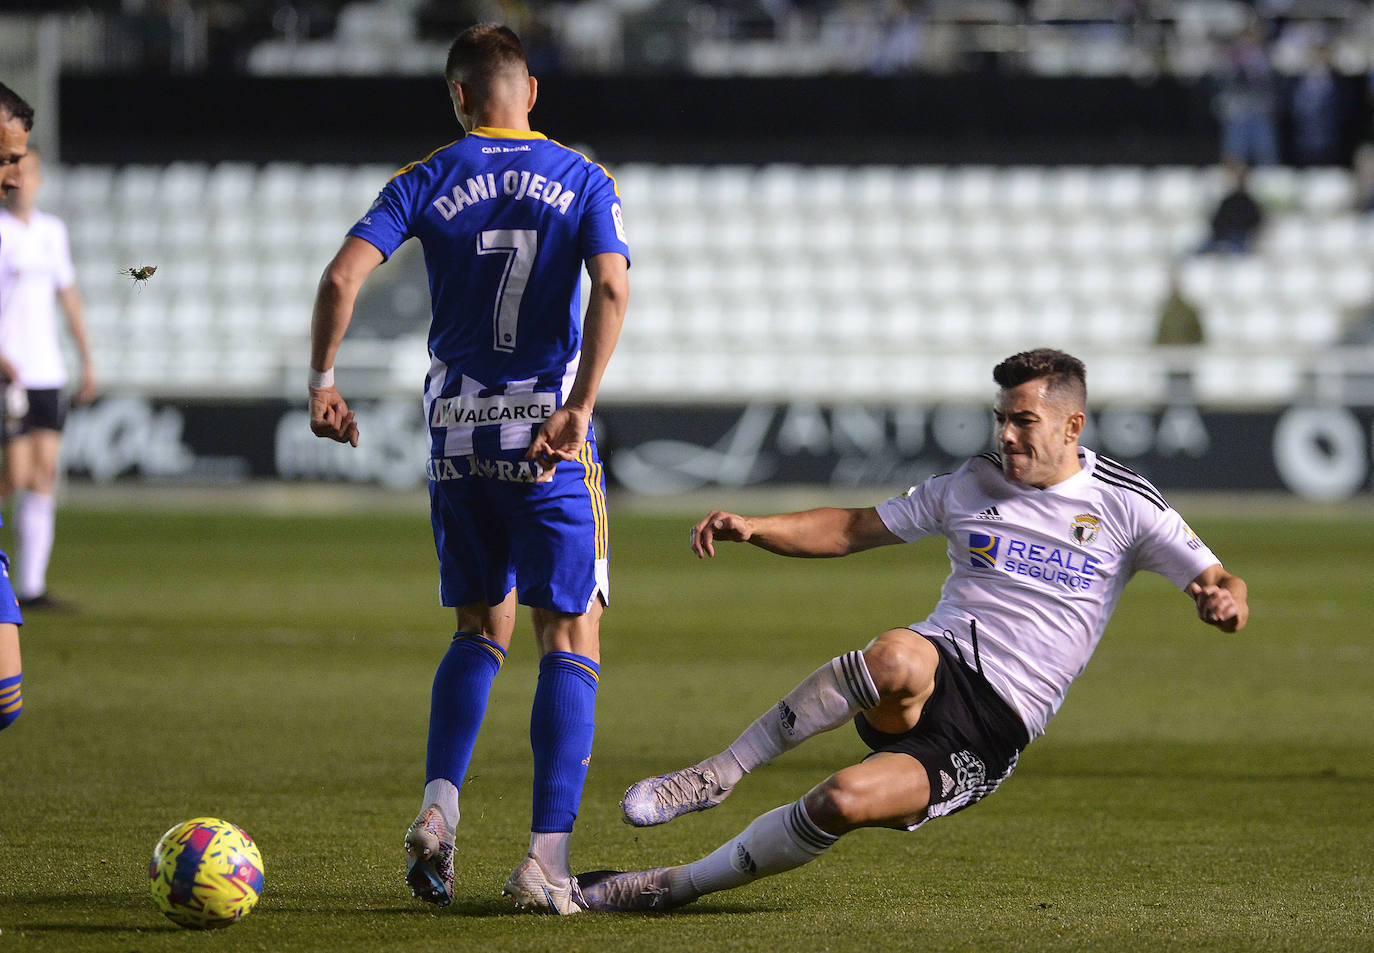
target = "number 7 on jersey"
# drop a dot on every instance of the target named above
(519, 245)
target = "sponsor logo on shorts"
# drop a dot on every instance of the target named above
(969, 771)
(461, 468)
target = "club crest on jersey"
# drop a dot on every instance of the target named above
(1084, 528)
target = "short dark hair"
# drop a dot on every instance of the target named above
(1065, 373)
(12, 106)
(481, 52)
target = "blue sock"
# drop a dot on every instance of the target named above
(561, 727)
(458, 704)
(11, 699)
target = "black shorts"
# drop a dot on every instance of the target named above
(47, 411)
(968, 738)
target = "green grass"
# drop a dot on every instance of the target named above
(1199, 791)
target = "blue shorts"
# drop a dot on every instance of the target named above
(495, 530)
(9, 603)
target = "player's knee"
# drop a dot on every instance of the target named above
(579, 633)
(835, 806)
(899, 664)
(44, 480)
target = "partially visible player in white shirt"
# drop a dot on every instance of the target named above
(16, 121)
(36, 277)
(1042, 537)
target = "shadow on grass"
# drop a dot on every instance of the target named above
(498, 910)
(1166, 772)
(93, 928)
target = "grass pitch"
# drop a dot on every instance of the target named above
(1199, 791)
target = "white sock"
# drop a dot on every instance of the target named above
(828, 698)
(442, 792)
(780, 840)
(35, 516)
(553, 850)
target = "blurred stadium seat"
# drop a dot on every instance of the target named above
(781, 280)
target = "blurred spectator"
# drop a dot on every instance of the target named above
(1237, 219)
(1364, 177)
(1180, 323)
(899, 50)
(1246, 100)
(1314, 102)
(1360, 331)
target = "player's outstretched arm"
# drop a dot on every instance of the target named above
(334, 299)
(1221, 598)
(827, 531)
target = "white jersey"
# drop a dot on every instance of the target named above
(35, 263)
(1035, 574)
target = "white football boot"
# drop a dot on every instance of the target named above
(531, 890)
(659, 799)
(429, 858)
(635, 891)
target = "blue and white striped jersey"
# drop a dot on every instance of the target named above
(506, 219)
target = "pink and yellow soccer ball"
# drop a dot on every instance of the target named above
(205, 873)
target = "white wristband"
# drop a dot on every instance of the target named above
(319, 380)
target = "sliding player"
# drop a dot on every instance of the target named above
(1043, 536)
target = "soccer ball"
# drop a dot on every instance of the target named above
(205, 873)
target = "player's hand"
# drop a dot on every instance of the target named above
(7, 372)
(330, 416)
(1217, 606)
(86, 394)
(560, 438)
(718, 525)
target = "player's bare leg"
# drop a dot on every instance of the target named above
(889, 681)
(461, 684)
(18, 454)
(18, 465)
(561, 727)
(34, 482)
(887, 790)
